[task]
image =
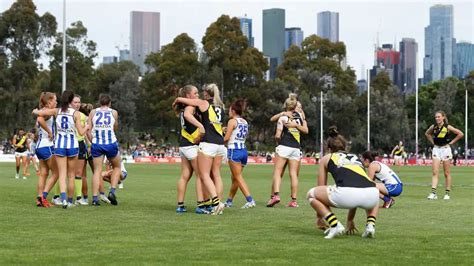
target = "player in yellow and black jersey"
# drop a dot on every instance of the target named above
(353, 189)
(288, 150)
(440, 135)
(397, 153)
(189, 137)
(20, 143)
(209, 154)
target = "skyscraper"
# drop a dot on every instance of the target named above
(293, 36)
(274, 37)
(408, 61)
(124, 55)
(144, 36)
(387, 60)
(109, 60)
(439, 42)
(464, 61)
(328, 25)
(246, 28)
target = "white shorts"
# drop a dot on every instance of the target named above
(352, 197)
(212, 150)
(21, 154)
(189, 152)
(397, 157)
(442, 153)
(288, 152)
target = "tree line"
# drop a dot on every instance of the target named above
(27, 39)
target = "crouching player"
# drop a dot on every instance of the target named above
(391, 185)
(107, 174)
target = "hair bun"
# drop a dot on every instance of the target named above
(333, 131)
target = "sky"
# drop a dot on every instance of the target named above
(361, 23)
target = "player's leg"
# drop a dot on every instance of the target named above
(278, 168)
(216, 176)
(205, 165)
(78, 174)
(17, 165)
(293, 170)
(61, 160)
(96, 176)
(71, 173)
(41, 183)
(115, 177)
(318, 198)
(186, 173)
(435, 177)
(370, 225)
(24, 160)
(447, 176)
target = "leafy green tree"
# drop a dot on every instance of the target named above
(24, 35)
(80, 54)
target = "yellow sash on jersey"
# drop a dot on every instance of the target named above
(354, 168)
(190, 137)
(22, 140)
(214, 121)
(295, 132)
(442, 133)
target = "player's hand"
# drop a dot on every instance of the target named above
(350, 228)
(175, 102)
(289, 114)
(320, 224)
(224, 130)
(50, 136)
(291, 124)
(35, 111)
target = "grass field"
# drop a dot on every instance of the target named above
(144, 228)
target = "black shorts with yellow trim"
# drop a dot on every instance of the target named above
(83, 152)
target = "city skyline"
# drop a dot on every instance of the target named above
(358, 31)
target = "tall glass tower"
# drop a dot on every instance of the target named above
(274, 37)
(293, 36)
(246, 28)
(328, 25)
(439, 44)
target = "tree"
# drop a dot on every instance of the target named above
(24, 35)
(174, 66)
(124, 94)
(242, 67)
(80, 54)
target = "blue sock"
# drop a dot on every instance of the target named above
(249, 198)
(112, 190)
(229, 200)
(102, 193)
(95, 198)
(386, 198)
(45, 194)
(69, 200)
(63, 196)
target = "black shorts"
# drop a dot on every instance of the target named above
(83, 152)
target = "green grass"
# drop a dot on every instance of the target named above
(144, 228)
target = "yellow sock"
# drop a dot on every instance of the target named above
(78, 187)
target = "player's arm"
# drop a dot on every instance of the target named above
(280, 124)
(429, 134)
(277, 116)
(188, 115)
(351, 229)
(201, 104)
(77, 121)
(89, 122)
(393, 151)
(301, 128)
(116, 124)
(231, 125)
(457, 132)
(42, 122)
(373, 168)
(14, 140)
(45, 112)
(323, 170)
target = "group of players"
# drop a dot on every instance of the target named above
(69, 138)
(65, 133)
(24, 144)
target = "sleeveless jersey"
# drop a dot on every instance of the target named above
(399, 150)
(347, 171)
(386, 175)
(83, 123)
(21, 141)
(103, 127)
(66, 130)
(441, 136)
(291, 136)
(189, 132)
(213, 126)
(43, 138)
(239, 135)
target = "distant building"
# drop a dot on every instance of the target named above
(274, 37)
(387, 60)
(124, 55)
(246, 28)
(464, 60)
(109, 60)
(361, 86)
(439, 44)
(328, 25)
(144, 36)
(293, 36)
(408, 61)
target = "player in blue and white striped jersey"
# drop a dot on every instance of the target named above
(104, 122)
(237, 131)
(68, 122)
